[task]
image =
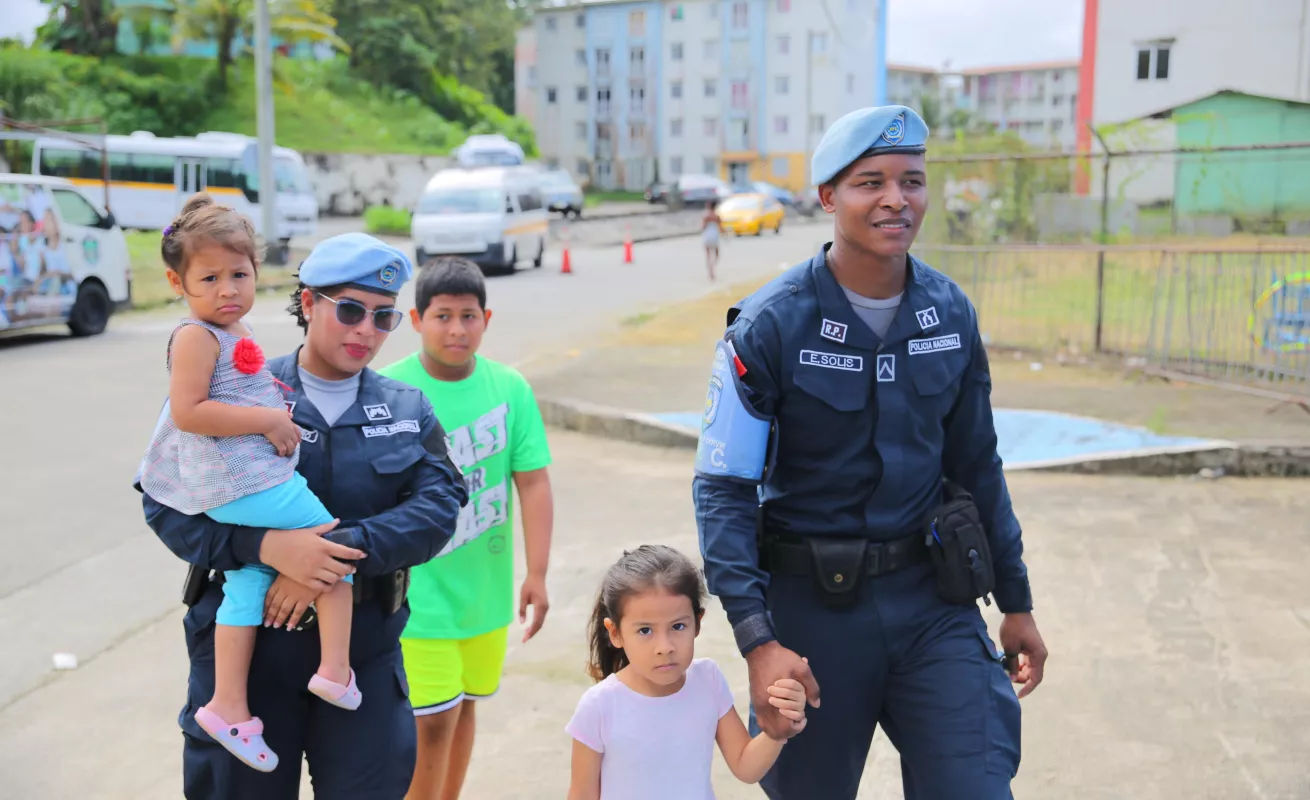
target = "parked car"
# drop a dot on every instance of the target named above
(701, 189)
(744, 214)
(806, 202)
(776, 192)
(493, 216)
(658, 192)
(63, 260)
(561, 193)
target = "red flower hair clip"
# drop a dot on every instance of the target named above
(247, 357)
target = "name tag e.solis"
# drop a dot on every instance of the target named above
(818, 358)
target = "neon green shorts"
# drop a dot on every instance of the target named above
(444, 672)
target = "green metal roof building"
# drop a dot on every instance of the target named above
(1252, 184)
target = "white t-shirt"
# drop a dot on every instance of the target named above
(654, 748)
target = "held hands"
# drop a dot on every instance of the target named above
(281, 432)
(768, 664)
(533, 593)
(286, 602)
(1019, 637)
(307, 558)
(788, 696)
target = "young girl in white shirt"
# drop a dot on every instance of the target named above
(647, 729)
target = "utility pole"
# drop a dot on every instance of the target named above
(264, 121)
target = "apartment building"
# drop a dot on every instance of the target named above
(908, 85)
(1038, 102)
(624, 93)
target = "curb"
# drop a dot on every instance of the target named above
(1216, 460)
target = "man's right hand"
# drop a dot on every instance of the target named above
(306, 557)
(772, 662)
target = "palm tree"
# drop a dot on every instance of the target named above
(221, 21)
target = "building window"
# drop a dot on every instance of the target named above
(675, 90)
(582, 167)
(819, 43)
(780, 84)
(550, 94)
(711, 126)
(711, 165)
(532, 75)
(783, 6)
(711, 87)
(604, 132)
(675, 127)
(675, 13)
(602, 101)
(1057, 99)
(850, 83)
(779, 124)
(636, 23)
(602, 61)
(740, 13)
(817, 123)
(636, 96)
(739, 94)
(582, 94)
(675, 166)
(637, 58)
(781, 167)
(676, 51)
(550, 22)
(637, 130)
(711, 49)
(580, 56)
(1153, 62)
(580, 130)
(784, 45)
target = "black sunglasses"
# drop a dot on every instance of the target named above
(352, 312)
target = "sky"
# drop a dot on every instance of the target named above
(968, 33)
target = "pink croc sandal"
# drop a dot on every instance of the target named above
(347, 697)
(245, 740)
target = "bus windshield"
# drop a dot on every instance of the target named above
(461, 201)
(289, 176)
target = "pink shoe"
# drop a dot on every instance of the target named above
(245, 740)
(347, 697)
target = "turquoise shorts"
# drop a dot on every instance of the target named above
(288, 506)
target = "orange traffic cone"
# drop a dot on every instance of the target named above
(627, 250)
(566, 267)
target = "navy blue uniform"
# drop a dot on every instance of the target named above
(386, 475)
(866, 429)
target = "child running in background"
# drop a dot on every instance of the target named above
(228, 449)
(648, 728)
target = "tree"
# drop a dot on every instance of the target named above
(82, 27)
(223, 20)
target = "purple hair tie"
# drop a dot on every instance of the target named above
(168, 230)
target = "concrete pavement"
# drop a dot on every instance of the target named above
(1176, 613)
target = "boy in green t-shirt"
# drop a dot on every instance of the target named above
(461, 602)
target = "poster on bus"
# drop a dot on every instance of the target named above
(36, 280)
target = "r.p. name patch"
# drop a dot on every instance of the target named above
(815, 358)
(935, 344)
(403, 426)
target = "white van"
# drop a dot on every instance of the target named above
(493, 216)
(62, 259)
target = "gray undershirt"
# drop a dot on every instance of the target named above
(331, 398)
(877, 314)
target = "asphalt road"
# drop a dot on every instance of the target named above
(83, 572)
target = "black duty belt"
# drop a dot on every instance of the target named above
(797, 558)
(364, 590)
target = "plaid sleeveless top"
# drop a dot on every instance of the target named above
(194, 473)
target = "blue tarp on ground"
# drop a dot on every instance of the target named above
(1033, 437)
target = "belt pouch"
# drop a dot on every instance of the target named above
(838, 566)
(961, 557)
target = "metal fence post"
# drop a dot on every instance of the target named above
(1104, 238)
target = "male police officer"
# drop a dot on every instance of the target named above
(850, 499)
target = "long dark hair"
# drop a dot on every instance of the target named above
(651, 565)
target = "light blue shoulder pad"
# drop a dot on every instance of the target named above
(734, 439)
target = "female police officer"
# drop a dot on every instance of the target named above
(373, 451)
(859, 378)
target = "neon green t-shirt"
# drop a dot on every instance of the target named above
(494, 429)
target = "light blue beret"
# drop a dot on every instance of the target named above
(359, 260)
(867, 132)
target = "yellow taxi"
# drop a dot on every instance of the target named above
(752, 214)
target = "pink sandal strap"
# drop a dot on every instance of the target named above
(342, 696)
(244, 740)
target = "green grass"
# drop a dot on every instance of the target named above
(319, 108)
(1193, 307)
(593, 199)
(386, 221)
